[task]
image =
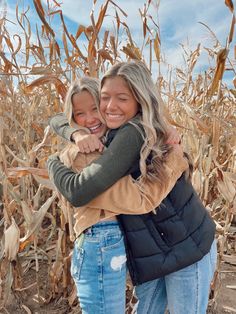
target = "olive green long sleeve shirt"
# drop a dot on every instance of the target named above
(115, 162)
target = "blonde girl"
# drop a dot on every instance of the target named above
(171, 254)
(99, 258)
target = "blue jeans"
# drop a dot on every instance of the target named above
(99, 270)
(184, 291)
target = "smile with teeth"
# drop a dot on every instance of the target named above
(113, 116)
(95, 128)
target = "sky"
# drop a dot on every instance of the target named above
(178, 20)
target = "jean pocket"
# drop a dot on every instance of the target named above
(113, 241)
(77, 261)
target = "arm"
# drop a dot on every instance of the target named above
(127, 197)
(86, 142)
(61, 127)
(115, 163)
(138, 197)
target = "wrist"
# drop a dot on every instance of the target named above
(76, 135)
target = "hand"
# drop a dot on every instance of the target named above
(173, 136)
(178, 149)
(87, 143)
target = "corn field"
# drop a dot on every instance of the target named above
(34, 76)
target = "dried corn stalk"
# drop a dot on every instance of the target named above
(32, 224)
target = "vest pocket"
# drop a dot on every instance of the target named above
(159, 237)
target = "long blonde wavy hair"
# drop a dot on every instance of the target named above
(89, 84)
(140, 83)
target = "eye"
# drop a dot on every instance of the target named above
(122, 99)
(95, 109)
(78, 114)
(104, 98)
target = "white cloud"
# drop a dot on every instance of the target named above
(13, 26)
(179, 22)
(79, 12)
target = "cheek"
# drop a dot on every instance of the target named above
(102, 107)
(96, 115)
(132, 109)
(101, 117)
(79, 120)
(136, 108)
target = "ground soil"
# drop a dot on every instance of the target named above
(223, 300)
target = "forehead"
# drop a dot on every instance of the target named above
(117, 84)
(83, 99)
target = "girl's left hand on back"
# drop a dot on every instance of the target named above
(173, 136)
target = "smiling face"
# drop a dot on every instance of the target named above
(117, 103)
(85, 113)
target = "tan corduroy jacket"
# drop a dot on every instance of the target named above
(126, 196)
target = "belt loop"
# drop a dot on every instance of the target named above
(80, 240)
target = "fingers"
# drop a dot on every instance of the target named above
(89, 143)
(178, 149)
(101, 147)
(173, 136)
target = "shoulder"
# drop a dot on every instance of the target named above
(57, 118)
(129, 135)
(132, 127)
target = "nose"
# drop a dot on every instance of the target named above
(111, 105)
(90, 118)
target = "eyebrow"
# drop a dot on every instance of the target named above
(125, 94)
(82, 110)
(78, 110)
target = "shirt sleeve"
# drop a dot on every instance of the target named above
(61, 127)
(128, 196)
(115, 162)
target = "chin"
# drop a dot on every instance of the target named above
(114, 124)
(100, 132)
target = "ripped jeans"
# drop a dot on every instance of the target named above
(99, 269)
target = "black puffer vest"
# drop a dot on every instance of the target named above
(179, 234)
